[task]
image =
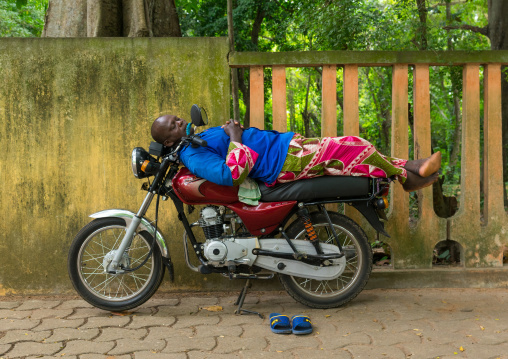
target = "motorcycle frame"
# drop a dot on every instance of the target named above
(364, 205)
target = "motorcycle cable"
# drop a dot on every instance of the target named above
(154, 237)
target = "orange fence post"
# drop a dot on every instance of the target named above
(257, 97)
(329, 106)
(279, 98)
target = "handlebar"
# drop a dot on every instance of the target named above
(198, 141)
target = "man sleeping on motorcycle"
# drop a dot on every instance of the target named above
(233, 154)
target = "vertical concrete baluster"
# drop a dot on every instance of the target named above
(279, 98)
(493, 208)
(257, 98)
(465, 224)
(398, 224)
(430, 228)
(329, 98)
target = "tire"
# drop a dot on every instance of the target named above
(113, 292)
(337, 292)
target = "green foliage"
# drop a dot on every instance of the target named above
(22, 18)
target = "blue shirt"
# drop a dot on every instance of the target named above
(210, 162)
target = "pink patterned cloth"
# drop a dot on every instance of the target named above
(240, 160)
(337, 156)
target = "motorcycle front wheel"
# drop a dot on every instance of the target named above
(91, 249)
(339, 291)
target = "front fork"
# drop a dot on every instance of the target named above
(112, 267)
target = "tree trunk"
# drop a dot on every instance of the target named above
(234, 72)
(422, 29)
(111, 18)
(498, 34)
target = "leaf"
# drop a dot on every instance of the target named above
(122, 314)
(21, 3)
(461, 349)
(444, 254)
(213, 308)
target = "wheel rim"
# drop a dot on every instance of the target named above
(113, 287)
(354, 261)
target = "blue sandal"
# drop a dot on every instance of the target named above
(279, 323)
(301, 324)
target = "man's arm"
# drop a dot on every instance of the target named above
(209, 165)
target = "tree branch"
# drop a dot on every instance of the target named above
(481, 30)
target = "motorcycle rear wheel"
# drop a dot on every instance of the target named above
(339, 291)
(113, 292)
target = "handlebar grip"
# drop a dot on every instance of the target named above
(199, 141)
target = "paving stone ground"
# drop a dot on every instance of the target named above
(378, 324)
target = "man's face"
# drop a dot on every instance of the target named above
(173, 130)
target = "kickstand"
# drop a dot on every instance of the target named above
(241, 299)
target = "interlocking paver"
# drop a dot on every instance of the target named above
(147, 321)
(210, 355)
(103, 322)
(65, 334)
(187, 344)
(110, 334)
(289, 342)
(53, 323)
(155, 355)
(381, 351)
(73, 304)
(75, 347)
(13, 324)
(217, 331)
(127, 346)
(49, 313)
(191, 321)
(234, 344)
(80, 313)
(9, 305)
(5, 348)
(38, 304)
(169, 334)
(14, 314)
(100, 356)
(13, 336)
(33, 348)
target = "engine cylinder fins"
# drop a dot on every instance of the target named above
(210, 219)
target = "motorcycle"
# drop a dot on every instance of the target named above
(322, 258)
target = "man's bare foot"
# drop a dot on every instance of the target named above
(415, 182)
(426, 166)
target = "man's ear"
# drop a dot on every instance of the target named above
(168, 143)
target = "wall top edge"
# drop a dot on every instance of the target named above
(366, 58)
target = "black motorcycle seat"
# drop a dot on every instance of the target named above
(325, 187)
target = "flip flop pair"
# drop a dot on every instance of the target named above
(280, 324)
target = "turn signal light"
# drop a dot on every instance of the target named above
(382, 203)
(143, 166)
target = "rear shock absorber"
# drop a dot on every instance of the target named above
(303, 214)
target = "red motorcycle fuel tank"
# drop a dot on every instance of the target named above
(259, 220)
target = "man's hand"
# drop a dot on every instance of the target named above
(234, 130)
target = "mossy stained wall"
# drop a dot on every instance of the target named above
(71, 111)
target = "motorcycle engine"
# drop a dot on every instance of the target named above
(212, 223)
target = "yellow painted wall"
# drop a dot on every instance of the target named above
(71, 111)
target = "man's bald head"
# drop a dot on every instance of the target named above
(168, 130)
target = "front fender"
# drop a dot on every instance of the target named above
(143, 226)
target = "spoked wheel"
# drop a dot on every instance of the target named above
(94, 246)
(358, 253)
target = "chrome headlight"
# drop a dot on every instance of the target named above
(143, 165)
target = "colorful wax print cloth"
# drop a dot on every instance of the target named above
(337, 156)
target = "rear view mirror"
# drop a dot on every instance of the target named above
(198, 116)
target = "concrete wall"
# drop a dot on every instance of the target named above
(71, 110)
